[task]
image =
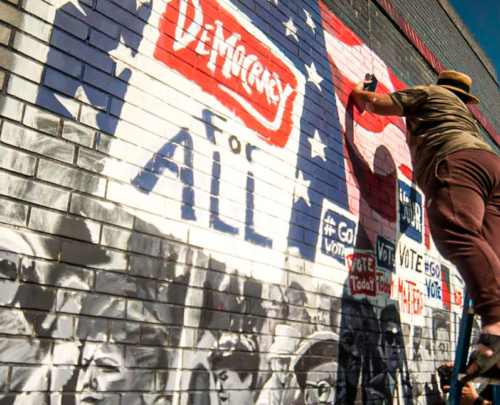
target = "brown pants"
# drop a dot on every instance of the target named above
(463, 206)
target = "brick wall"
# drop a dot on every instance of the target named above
(437, 28)
(464, 30)
(191, 215)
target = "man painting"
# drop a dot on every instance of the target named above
(460, 176)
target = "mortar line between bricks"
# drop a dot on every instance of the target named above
(10, 43)
(38, 132)
(37, 156)
(16, 30)
(14, 51)
(20, 201)
(67, 165)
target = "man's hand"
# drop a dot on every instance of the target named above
(362, 84)
(380, 104)
(469, 393)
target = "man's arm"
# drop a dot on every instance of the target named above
(380, 104)
(469, 393)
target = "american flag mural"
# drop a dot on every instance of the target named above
(193, 212)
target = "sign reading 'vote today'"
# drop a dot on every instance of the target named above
(362, 275)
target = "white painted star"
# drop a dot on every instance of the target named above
(310, 21)
(313, 76)
(76, 4)
(291, 29)
(301, 187)
(317, 148)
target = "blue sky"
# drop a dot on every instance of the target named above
(483, 19)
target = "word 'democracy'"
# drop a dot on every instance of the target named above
(207, 43)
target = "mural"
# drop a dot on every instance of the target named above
(257, 241)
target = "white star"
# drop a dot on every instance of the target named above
(76, 4)
(276, 1)
(310, 21)
(313, 76)
(291, 29)
(301, 187)
(317, 148)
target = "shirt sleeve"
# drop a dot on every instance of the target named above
(410, 100)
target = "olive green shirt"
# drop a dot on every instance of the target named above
(438, 123)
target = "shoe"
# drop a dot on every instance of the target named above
(484, 362)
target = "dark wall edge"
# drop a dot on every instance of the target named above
(469, 37)
(432, 59)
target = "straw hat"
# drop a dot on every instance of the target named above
(458, 82)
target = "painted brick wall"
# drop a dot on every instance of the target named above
(430, 20)
(471, 40)
(191, 212)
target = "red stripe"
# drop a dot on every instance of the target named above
(446, 297)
